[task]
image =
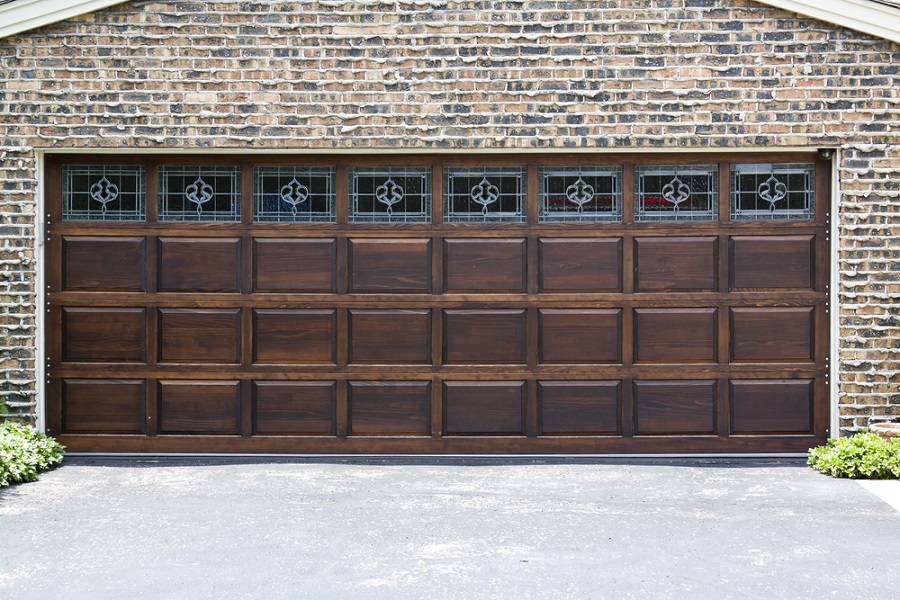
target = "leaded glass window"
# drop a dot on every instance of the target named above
(479, 194)
(293, 194)
(199, 193)
(676, 193)
(390, 195)
(581, 194)
(103, 193)
(772, 191)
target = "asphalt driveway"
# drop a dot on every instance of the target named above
(443, 529)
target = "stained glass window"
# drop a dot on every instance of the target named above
(103, 193)
(772, 191)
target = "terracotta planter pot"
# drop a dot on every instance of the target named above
(885, 430)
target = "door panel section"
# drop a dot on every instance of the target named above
(103, 264)
(289, 265)
(484, 265)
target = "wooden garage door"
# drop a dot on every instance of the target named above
(438, 304)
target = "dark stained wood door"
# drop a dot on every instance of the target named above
(435, 336)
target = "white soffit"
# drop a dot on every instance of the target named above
(867, 16)
(23, 15)
(874, 17)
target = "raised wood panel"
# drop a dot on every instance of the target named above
(103, 264)
(674, 407)
(205, 407)
(390, 336)
(199, 264)
(398, 265)
(195, 335)
(772, 334)
(772, 262)
(580, 264)
(484, 407)
(390, 407)
(675, 335)
(675, 264)
(104, 334)
(294, 407)
(580, 336)
(484, 336)
(283, 336)
(484, 265)
(579, 407)
(776, 406)
(103, 406)
(291, 265)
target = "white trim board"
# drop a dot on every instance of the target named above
(24, 15)
(874, 18)
(867, 16)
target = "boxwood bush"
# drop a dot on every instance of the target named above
(862, 456)
(25, 452)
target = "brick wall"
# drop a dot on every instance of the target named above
(605, 74)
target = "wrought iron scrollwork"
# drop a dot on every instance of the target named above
(294, 194)
(772, 190)
(389, 193)
(104, 192)
(199, 193)
(484, 194)
(580, 193)
(676, 192)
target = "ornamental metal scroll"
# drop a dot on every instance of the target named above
(772, 190)
(104, 192)
(676, 192)
(294, 194)
(389, 193)
(199, 193)
(580, 193)
(484, 194)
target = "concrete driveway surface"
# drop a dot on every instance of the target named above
(576, 528)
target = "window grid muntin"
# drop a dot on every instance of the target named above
(460, 207)
(271, 184)
(223, 204)
(556, 181)
(367, 184)
(700, 182)
(79, 203)
(747, 180)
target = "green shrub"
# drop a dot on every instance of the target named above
(24, 452)
(862, 456)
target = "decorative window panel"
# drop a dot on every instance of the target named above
(581, 194)
(293, 194)
(767, 191)
(676, 193)
(479, 194)
(199, 193)
(99, 193)
(390, 195)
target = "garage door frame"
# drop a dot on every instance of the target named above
(481, 445)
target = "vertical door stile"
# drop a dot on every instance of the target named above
(53, 284)
(723, 403)
(151, 270)
(437, 290)
(342, 274)
(532, 210)
(246, 279)
(628, 274)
